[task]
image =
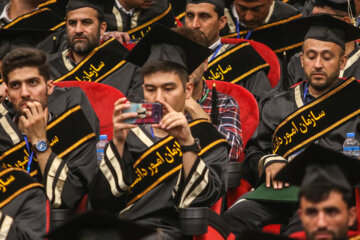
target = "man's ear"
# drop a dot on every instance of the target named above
(352, 216)
(50, 87)
(222, 22)
(205, 65)
(103, 27)
(302, 59)
(343, 61)
(189, 88)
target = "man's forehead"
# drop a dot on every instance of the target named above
(85, 12)
(252, 3)
(200, 7)
(311, 44)
(162, 78)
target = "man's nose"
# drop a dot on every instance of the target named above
(318, 63)
(321, 221)
(195, 23)
(24, 91)
(159, 95)
(248, 16)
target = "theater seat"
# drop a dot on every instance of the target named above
(249, 117)
(102, 98)
(266, 53)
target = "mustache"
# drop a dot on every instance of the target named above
(317, 72)
(80, 35)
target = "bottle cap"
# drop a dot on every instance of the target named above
(350, 134)
(103, 137)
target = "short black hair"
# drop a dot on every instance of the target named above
(166, 67)
(25, 57)
(318, 192)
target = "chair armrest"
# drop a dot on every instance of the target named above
(195, 221)
(234, 174)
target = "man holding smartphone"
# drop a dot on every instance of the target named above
(150, 170)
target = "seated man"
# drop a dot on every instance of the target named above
(150, 170)
(222, 110)
(327, 179)
(258, 20)
(86, 59)
(52, 138)
(239, 63)
(23, 213)
(352, 50)
(286, 123)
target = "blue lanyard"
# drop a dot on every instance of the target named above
(216, 52)
(238, 30)
(152, 132)
(31, 154)
(306, 90)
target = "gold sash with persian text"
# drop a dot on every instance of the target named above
(317, 118)
(101, 62)
(164, 159)
(232, 66)
(65, 134)
(166, 18)
(13, 182)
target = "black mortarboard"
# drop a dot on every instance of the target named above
(218, 3)
(163, 44)
(340, 5)
(97, 226)
(317, 164)
(103, 6)
(252, 235)
(322, 27)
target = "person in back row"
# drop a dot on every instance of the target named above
(86, 59)
(227, 63)
(151, 170)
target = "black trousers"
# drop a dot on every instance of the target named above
(253, 215)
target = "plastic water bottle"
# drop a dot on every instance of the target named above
(351, 146)
(100, 147)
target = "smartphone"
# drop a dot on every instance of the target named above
(141, 108)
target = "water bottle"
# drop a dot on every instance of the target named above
(351, 146)
(100, 147)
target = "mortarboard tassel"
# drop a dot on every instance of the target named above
(214, 109)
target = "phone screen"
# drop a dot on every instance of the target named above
(141, 108)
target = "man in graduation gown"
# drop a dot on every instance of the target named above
(144, 175)
(23, 210)
(137, 17)
(208, 16)
(52, 138)
(312, 111)
(327, 179)
(221, 109)
(86, 59)
(337, 9)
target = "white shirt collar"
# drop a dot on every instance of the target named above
(215, 44)
(4, 15)
(266, 20)
(118, 4)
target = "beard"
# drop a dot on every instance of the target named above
(340, 235)
(85, 46)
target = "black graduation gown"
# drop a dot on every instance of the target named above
(257, 83)
(26, 215)
(296, 72)
(127, 79)
(120, 21)
(281, 11)
(273, 110)
(65, 180)
(157, 208)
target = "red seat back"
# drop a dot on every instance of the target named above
(102, 98)
(266, 53)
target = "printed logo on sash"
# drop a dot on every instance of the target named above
(64, 133)
(166, 18)
(100, 63)
(223, 68)
(13, 182)
(164, 159)
(317, 118)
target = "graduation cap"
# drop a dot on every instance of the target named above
(218, 3)
(317, 164)
(98, 226)
(252, 235)
(103, 6)
(163, 44)
(340, 5)
(22, 37)
(322, 27)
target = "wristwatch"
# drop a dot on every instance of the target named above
(40, 146)
(195, 147)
